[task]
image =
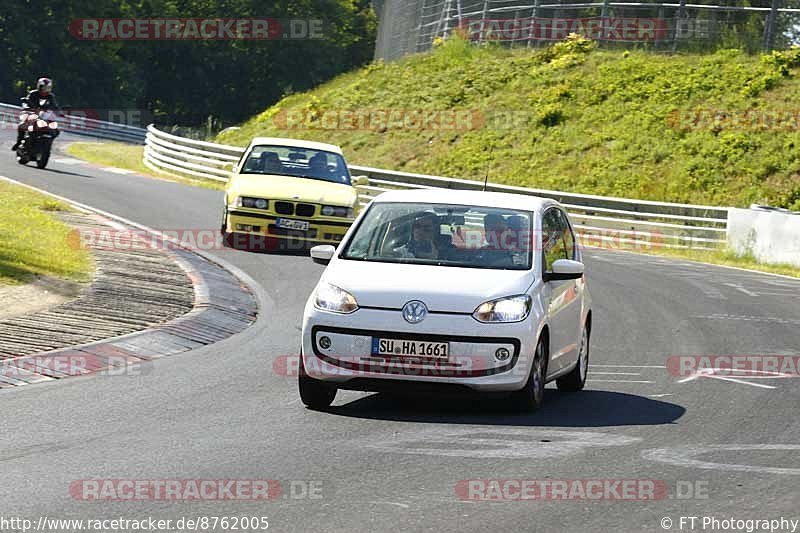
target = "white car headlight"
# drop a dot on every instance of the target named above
(511, 309)
(332, 298)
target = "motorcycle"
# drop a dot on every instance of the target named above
(40, 130)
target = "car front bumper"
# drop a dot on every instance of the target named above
(320, 230)
(472, 360)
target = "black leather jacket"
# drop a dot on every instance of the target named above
(45, 103)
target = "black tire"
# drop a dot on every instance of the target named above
(43, 158)
(314, 393)
(531, 397)
(576, 379)
(22, 160)
(226, 237)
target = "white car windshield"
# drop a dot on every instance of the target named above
(444, 235)
(297, 162)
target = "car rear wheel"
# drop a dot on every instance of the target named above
(531, 396)
(576, 379)
(314, 393)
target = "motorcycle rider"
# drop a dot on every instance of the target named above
(41, 99)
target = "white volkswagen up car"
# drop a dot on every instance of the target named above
(438, 289)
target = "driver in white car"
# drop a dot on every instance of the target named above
(422, 244)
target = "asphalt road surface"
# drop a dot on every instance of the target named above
(724, 448)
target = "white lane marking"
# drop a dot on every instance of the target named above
(506, 443)
(627, 366)
(734, 380)
(792, 294)
(396, 504)
(67, 161)
(711, 373)
(116, 170)
(685, 456)
(614, 373)
(739, 288)
(617, 381)
(747, 318)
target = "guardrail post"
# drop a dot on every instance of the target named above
(769, 27)
(532, 22)
(604, 19)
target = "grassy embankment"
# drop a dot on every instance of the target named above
(33, 242)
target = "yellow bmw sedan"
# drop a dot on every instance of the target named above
(286, 194)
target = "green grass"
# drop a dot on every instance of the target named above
(128, 156)
(572, 118)
(33, 242)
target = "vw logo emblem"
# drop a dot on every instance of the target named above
(414, 312)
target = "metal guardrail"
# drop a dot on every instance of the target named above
(76, 124)
(601, 220)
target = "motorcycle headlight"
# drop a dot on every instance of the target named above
(331, 298)
(511, 309)
(30, 128)
(54, 125)
(337, 211)
(41, 123)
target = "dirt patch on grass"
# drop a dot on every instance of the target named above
(40, 294)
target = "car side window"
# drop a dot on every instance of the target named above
(553, 246)
(569, 237)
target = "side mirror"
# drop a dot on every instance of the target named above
(564, 269)
(360, 181)
(322, 254)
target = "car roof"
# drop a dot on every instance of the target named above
(520, 202)
(295, 143)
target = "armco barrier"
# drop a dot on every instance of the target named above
(621, 220)
(9, 115)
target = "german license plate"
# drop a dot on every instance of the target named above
(410, 348)
(288, 223)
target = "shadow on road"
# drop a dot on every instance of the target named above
(68, 173)
(590, 408)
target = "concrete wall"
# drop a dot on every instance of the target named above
(770, 236)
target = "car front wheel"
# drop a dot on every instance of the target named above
(531, 396)
(314, 393)
(576, 379)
